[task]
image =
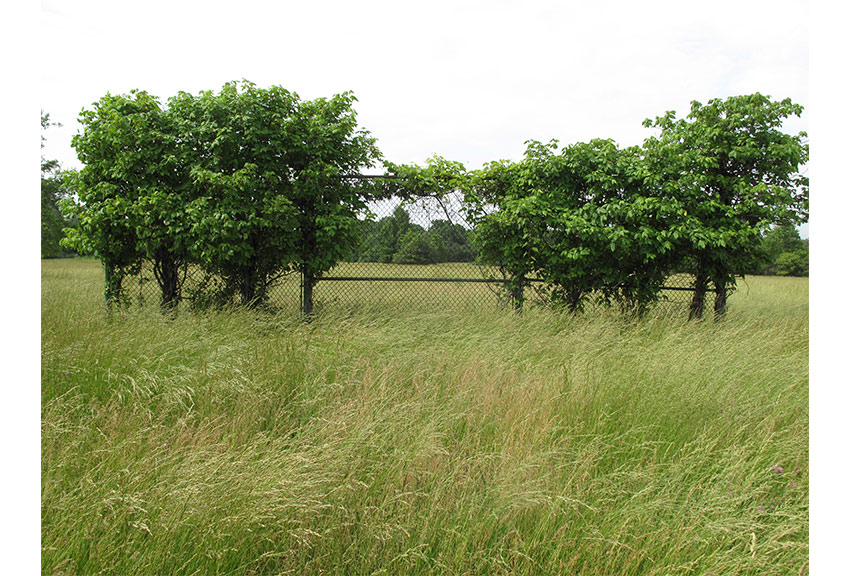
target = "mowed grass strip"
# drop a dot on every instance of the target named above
(409, 441)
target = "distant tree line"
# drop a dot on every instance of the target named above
(783, 253)
(395, 239)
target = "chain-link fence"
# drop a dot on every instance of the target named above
(413, 254)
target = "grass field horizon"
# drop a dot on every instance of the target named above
(423, 441)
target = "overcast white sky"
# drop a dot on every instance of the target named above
(469, 80)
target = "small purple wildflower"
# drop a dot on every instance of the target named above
(761, 508)
(793, 484)
(778, 470)
(772, 506)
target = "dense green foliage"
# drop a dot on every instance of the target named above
(269, 173)
(133, 192)
(412, 440)
(582, 220)
(597, 220)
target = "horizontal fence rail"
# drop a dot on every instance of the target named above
(473, 280)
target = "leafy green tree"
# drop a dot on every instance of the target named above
(396, 239)
(383, 241)
(792, 263)
(120, 153)
(604, 236)
(413, 248)
(367, 230)
(783, 238)
(242, 216)
(735, 172)
(133, 192)
(450, 242)
(252, 183)
(436, 246)
(506, 221)
(327, 149)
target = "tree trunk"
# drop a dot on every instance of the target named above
(721, 287)
(307, 295)
(574, 300)
(310, 254)
(698, 300)
(167, 272)
(247, 290)
(246, 295)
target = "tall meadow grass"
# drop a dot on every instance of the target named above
(417, 441)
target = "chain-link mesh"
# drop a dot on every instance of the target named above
(413, 254)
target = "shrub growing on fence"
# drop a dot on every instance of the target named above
(132, 192)
(597, 219)
(736, 172)
(249, 183)
(580, 220)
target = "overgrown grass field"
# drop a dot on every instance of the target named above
(416, 441)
